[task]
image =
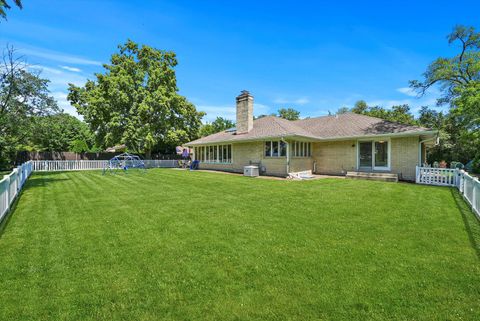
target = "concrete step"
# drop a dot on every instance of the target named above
(385, 177)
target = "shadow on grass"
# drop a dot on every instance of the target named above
(42, 180)
(472, 224)
(6, 219)
(34, 181)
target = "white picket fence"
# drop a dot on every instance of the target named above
(78, 165)
(468, 186)
(67, 165)
(11, 185)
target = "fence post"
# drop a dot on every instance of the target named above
(417, 176)
(475, 184)
(7, 190)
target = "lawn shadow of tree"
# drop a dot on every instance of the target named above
(471, 221)
(43, 179)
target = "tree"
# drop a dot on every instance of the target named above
(61, 132)
(454, 74)
(5, 6)
(136, 102)
(264, 115)
(343, 110)
(398, 114)
(360, 107)
(458, 78)
(218, 125)
(23, 95)
(289, 113)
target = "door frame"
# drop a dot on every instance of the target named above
(389, 153)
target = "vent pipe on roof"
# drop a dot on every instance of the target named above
(244, 112)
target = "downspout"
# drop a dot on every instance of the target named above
(288, 154)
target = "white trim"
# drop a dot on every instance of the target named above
(389, 153)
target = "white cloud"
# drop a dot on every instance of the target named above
(63, 103)
(297, 101)
(58, 57)
(387, 103)
(74, 69)
(59, 79)
(407, 91)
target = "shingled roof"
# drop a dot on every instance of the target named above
(343, 126)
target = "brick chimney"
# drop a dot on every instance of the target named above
(244, 112)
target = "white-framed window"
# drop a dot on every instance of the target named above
(275, 148)
(221, 154)
(302, 149)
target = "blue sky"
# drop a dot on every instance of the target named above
(313, 56)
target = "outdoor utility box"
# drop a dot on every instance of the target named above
(251, 171)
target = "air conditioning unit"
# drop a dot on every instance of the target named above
(251, 171)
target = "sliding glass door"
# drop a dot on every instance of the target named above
(374, 155)
(381, 155)
(365, 155)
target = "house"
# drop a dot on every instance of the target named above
(333, 145)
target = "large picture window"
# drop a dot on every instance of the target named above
(221, 154)
(275, 148)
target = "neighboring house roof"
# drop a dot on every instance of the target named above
(116, 148)
(348, 125)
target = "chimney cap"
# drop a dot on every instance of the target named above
(244, 93)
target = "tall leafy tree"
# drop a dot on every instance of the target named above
(4, 5)
(23, 95)
(218, 125)
(458, 78)
(288, 113)
(136, 101)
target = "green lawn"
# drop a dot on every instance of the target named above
(179, 245)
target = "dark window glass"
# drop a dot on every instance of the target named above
(274, 149)
(268, 149)
(283, 149)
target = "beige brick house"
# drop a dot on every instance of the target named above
(325, 145)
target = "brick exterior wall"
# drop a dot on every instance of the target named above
(405, 156)
(335, 158)
(246, 153)
(332, 158)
